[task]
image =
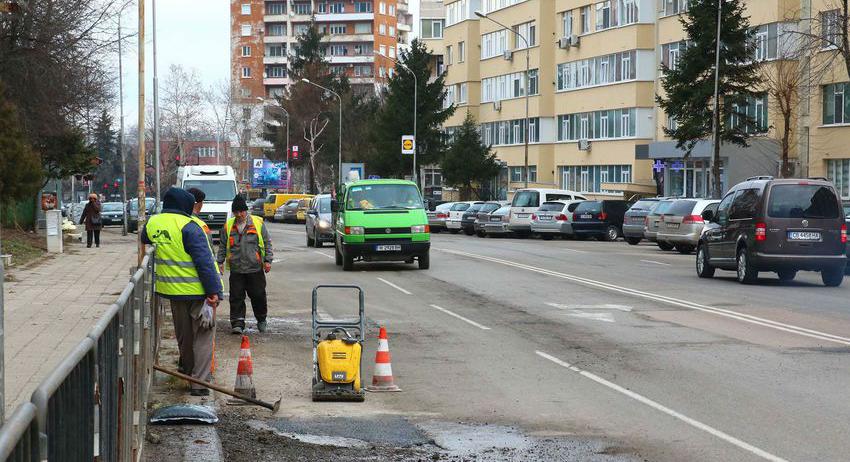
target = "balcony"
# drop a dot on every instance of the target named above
(275, 60)
(348, 38)
(344, 17)
(276, 18)
(403, 27)
(350, 59)
(275, 38)
(277, 81)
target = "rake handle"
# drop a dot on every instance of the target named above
(212, 386)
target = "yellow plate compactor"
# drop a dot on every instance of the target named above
(336, 353)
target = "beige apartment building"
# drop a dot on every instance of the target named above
(594, 72)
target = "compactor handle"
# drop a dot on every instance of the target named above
(361, 322)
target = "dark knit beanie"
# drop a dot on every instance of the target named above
(239, 204)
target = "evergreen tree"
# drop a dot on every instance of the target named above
(468, 162)
(106, 148)
(395, 117)
(689, 84)
(20, 167)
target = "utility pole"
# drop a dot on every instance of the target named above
(121, 126)
(716, 189)
(156, 108)
(141, 189)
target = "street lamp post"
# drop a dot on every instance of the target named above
(715, 135)
(339, 167)
(527, 78)
(415, 111)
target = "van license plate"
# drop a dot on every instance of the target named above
(803, 236)
(338, 376)
(523, 215)
(586, 216)
(388, 248)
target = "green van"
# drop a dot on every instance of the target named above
(380, 220)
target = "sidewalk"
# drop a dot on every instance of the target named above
(51, 307)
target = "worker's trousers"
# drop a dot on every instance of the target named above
(195, 342)
(254, 286)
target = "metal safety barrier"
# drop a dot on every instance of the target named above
(93, 404)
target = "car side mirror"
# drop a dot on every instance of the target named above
(708, 215)
(312, 212)
(334, 206)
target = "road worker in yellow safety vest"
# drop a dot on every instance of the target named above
(186, 275)
(246, 249)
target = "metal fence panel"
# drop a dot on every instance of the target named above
(19, 435)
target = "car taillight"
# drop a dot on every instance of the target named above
(603, 216)
(533, 216)
(844, 234)
(561, 217)
(761, 232)
(691, 219)
(442, 215)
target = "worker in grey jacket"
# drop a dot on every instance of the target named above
(246, 248)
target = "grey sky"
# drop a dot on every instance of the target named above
(194, 33)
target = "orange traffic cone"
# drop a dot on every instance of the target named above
(382, 379)
(245, 370)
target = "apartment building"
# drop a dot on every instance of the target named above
(594, 71)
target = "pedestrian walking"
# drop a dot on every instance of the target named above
(246, 249)
(91, 217)
(187, 276)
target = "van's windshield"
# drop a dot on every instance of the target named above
(216, 190)
(526, 199)
(383, 197)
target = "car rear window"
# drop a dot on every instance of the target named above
(681, 208)
(502, 210)
(526, 199)
(487, 208)
(589, 206)
(572, 207)
(662, 207)
(551, 207)
(643, 205)
(460, 207)
(802, 201)
(558, 197)
(474, 208)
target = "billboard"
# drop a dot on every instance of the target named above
(269, 174)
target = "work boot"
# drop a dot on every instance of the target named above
(200, 392)
(262, 326)
(236, 330)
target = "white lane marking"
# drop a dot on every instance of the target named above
(604, 317)
(324, 254)
(394, 286)
(576, 251)
(655, 262)
(286, 231)
(790, 328)
(460, 317)
(660, 407)
(603, 306)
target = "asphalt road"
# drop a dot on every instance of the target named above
(596, 340)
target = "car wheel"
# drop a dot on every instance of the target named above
(684, 249)
(454, 231)
(310, 242)
(468, 231)
(425, 261)
(480, 234)
(746, 273)
(786, 275)
(546, 237)
(436, 230)
(338, 256)
(664, 246)
(704, 268)
(317, 243)
(832, 277)
(633, 240)
(347, 263)
(612, 233)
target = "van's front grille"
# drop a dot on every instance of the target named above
(388, 230)
(214, 220)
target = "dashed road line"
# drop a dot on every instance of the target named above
(790, 328)
(324, 254)
(655, 262)
(450, 313)
(402, 290)
(666, 410)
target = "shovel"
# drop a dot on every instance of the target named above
(273, 407)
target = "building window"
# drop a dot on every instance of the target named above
(672, 7)
(835, 109)
(336, 50)
(601, 70)
(246, 72)
(363, 7)
(337, 29)
(628, 12)
(246, 30)
(449, 57)
(672, 124)
(300, 29)
(508, 86)
(246, 51)
(322, 8)
(603, 15)
(275, 51)
(670, 53)
(507, 132)
(461, 93)
(589, 178)
(585, 19)
(246, 9)
(382, 8)
(205, 151)
(457, 12)
(567, 23)
(337, 7)
(276, 30)
(391, 31)
(527, 30)
(302, 8)
(749, 114)
(830, 28)
(363, 28)
(392, 10)
(392, 52)
(382, 29)
(533, 82)
(597, 125)
(838, 171)
(275, 8)
(461, 52)
(431, 28)
(493, 5)
(516, 174)
(244, 92)
(494, 44)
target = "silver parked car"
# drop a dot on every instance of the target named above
(554, 218)
(318, 223)
(287, 212)
(437, 217)
(497, 223)
(635, 220)
(653, 221)
(682, 223)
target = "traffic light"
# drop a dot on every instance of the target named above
(116, 185)
(177, 159)
(105, 185)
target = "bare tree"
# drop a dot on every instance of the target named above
(181, 102)
(245, 129)
(218, 98)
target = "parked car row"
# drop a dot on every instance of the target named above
(760, 225)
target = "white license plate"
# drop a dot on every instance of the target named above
(387, 248)
(672, 225)
(803, 236)
(523, 215)
(495, 219)
(545, 217)
(585, 216)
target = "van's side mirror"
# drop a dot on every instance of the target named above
(334, 206)
(722, 216)
(708, 215)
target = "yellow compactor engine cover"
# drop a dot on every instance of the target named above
(339, 362)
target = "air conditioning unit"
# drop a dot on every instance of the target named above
(584, 145)
(564, 42)
(509, 55)
(497, 105)
(575, 40)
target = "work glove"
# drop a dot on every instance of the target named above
(207, 318)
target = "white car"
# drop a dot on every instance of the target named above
(527, 201)
(456, 214)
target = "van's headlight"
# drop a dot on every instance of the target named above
(355, 230)
(324, 224)
(420, 229)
